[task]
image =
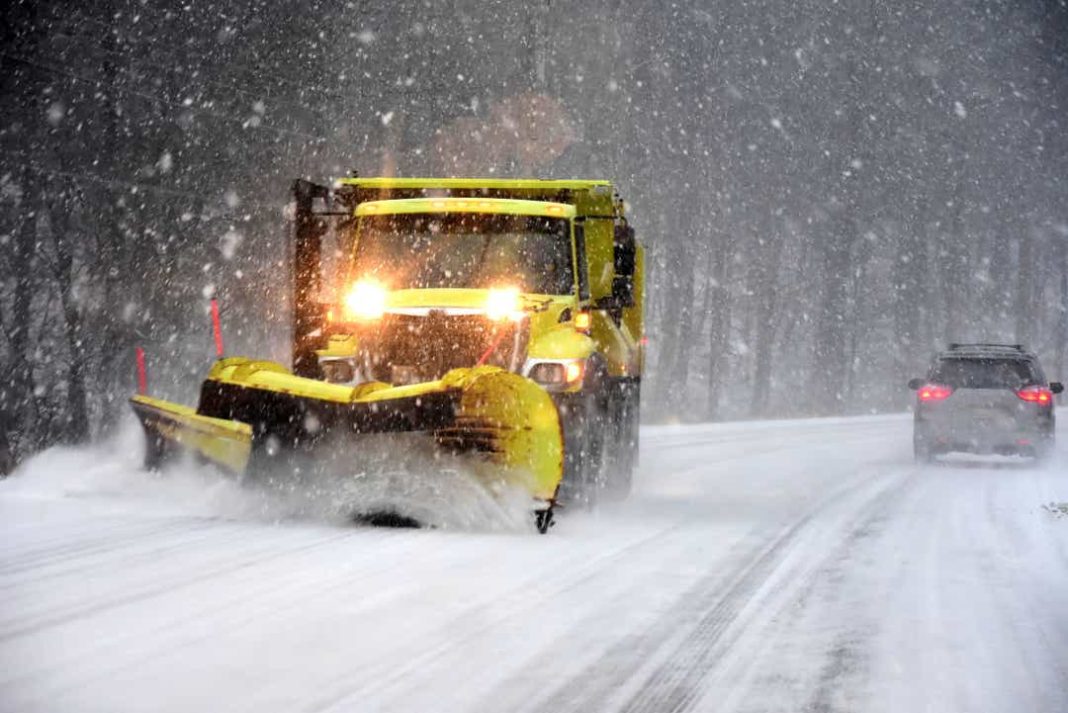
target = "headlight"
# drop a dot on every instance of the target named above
(365, 301)
(503, 303)
(564, 372)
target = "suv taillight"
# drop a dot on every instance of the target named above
(1036, 395)
(934, 392)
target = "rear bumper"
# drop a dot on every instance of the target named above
(969, 438)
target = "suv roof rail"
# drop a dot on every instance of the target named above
(985, 345)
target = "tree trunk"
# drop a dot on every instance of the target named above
(910, 293)
(1061, 328)
(21, 85)
(17, 400)
(829, 352)
(1025, 280)
(7, 455)
(767, 306)
(680, 371)
(115, 254)
(76, 429)
(719, 321)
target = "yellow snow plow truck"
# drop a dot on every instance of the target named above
(500, 319)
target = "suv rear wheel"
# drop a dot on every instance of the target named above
(921, 449)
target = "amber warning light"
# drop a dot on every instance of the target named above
(583, 322)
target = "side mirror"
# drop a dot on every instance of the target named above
(916, 383)
(1056, 387)
(625, 258)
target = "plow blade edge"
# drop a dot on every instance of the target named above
(503, 419)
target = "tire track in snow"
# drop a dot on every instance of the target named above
(996, 609)
(849, 651)
(481, 617)
(133, 649)
(71, 546)
(24, 628)
(676, 688)
(177, 539)
(693, 649)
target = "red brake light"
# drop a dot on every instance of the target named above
(934, 392)
(1036, 395)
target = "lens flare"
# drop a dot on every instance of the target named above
(503, 303)
(366, 300)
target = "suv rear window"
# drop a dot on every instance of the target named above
(984, 373)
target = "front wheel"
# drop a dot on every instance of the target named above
(621, 451)
(582, 418)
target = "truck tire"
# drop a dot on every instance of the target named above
(621, 458)
(589, 458)
(573, 484)
(584, 420)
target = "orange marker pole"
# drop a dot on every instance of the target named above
(142, 377)
(217, 328)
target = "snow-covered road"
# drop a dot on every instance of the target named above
(766, 566)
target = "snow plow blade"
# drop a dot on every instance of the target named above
(246, 406)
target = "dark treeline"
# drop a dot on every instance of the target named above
(829, 191)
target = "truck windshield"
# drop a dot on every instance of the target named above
(478, 250)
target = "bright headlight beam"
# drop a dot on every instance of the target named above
(503, 303)
(366, 300)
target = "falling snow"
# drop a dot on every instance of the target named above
(756, 145)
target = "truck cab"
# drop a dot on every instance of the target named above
(540, 278)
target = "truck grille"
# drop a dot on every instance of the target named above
(414, 348)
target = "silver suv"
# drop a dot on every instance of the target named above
(984, 398)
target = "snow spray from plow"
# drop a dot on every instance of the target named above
(395, 480)
(256, 419)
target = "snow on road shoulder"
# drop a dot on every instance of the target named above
(108, 476)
